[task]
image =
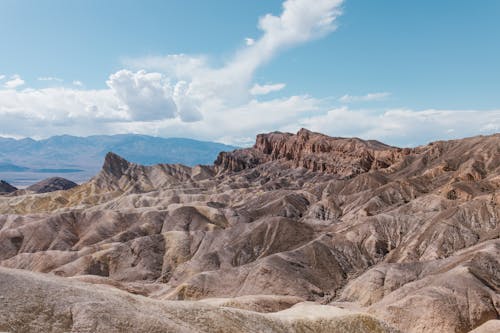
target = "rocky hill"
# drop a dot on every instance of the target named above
(6, 187)
(52, 184)
(407, 236)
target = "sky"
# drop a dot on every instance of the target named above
(402, 72)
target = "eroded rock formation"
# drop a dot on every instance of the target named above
(410, 236)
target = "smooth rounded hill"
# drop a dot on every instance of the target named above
(51, 185)
(51, 304)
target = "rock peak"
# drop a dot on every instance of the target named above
(6, 187)
(305, 133)
(115, 165)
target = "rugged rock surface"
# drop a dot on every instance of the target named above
(409, 235)
(6, 187)
(51, 185)
(313, 151)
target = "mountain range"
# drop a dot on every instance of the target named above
(300, 233)
(26, 161)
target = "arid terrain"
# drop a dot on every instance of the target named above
(300, 233)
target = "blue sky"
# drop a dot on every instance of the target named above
(405, 72)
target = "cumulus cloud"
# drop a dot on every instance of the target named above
(371, 97)
(14, 82)
(50, 111)
(78, 83)
(188, 108)
(233, 125)
(178, 66)
(145, 96)
(265, 89)
(299, 22)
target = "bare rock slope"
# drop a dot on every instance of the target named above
(6, 187)
(410, 236)
(51, 185)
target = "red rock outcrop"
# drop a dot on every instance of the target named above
(313, 151)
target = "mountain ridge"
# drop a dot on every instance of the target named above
(27, 161)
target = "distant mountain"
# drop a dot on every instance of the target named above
(9, 167)
(26, 161)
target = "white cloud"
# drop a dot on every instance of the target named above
(491, 127)
(49, 111)
(371, 97)
(298, 23)
(78, 83)
(188, 108)
(145, 96)
(404, 127)
(265, 89)
(49, 78)
(2, 77)
(249, 41)
(179, 66)
(230, 83)
(14, 82)
(232, 125)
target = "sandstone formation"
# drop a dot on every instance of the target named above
(408, 235)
